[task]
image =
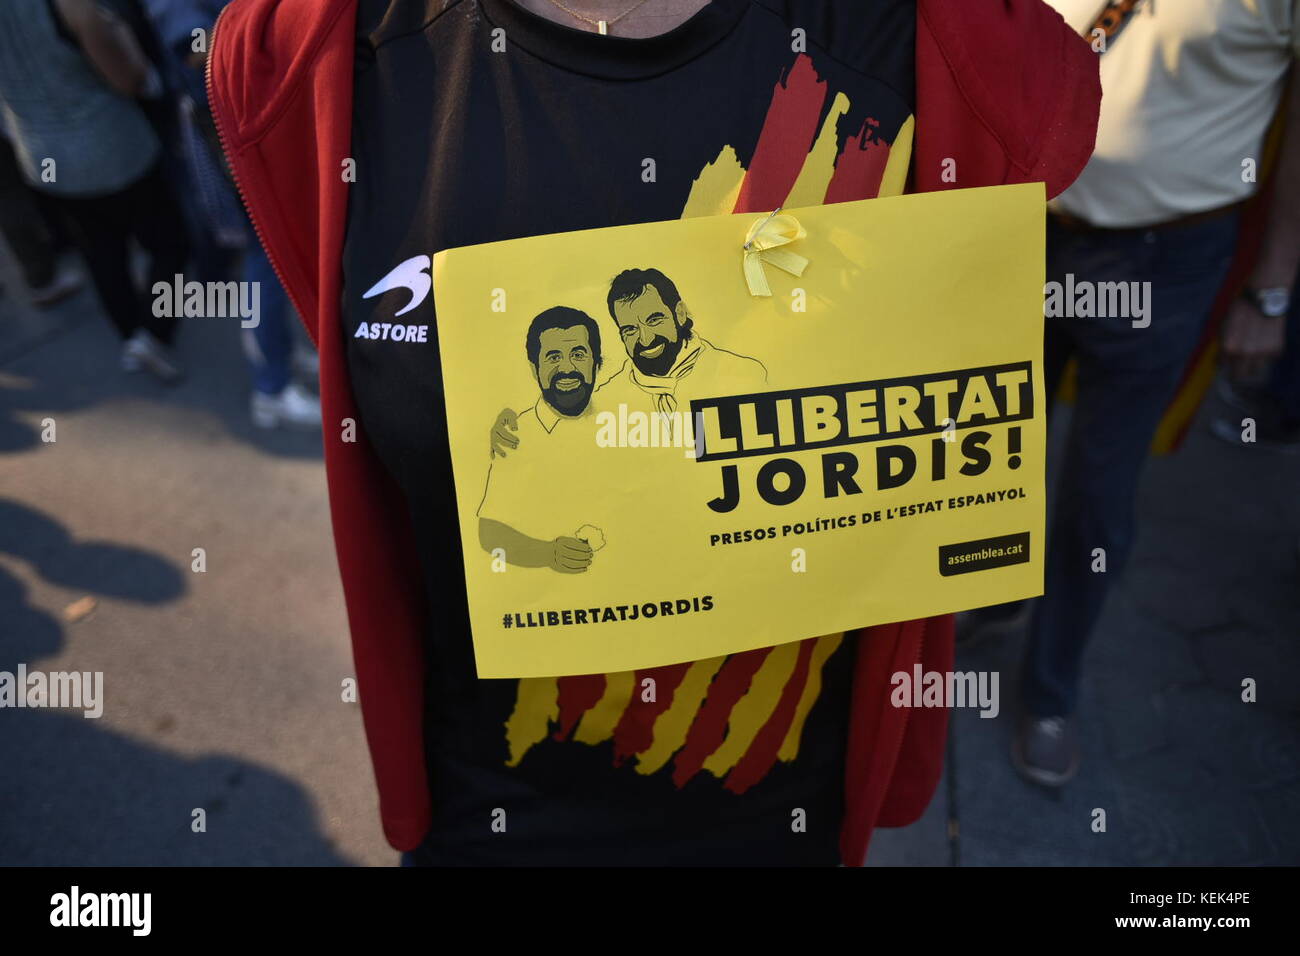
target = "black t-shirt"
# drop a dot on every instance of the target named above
(476, 121)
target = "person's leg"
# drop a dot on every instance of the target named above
(1003, 621)
(269, 344)
(276, 400)
(23, 224)
(1126, 378)
(1058, 340)
(158, 225)
(51, 216)
(99, 230)
(102, 227)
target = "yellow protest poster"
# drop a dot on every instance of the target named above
(734, 432)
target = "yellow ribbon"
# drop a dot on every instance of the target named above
(763, 245)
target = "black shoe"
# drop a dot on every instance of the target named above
(1045, 750)
(998, 622)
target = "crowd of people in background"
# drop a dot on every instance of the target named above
(108, 150)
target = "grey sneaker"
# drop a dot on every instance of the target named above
(144, 351)
(294, 407)
(1045, 750)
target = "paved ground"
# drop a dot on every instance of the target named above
(224, 686)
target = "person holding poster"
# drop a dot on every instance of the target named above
(393, 143)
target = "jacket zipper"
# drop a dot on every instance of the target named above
(230, 162)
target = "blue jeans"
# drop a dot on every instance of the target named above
(1126, 378)
(269, 344)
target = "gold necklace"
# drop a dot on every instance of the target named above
(602, 26)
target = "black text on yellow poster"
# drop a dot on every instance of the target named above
(716, 450)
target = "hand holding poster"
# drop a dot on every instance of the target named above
(701, 469)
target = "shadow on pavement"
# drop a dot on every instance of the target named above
(100, 567)
(118, 801)
(132, 804)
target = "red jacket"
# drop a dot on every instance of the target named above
(1004, 89)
